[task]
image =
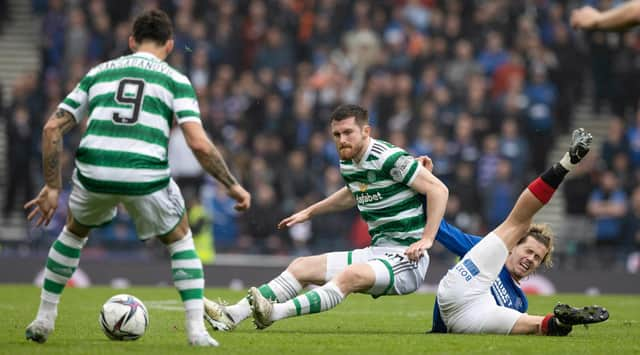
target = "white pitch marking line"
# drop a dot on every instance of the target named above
(165, 305)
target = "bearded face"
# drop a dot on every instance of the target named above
(350, 138)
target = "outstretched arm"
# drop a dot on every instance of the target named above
(437, 194)
(338, 201)
(213, 163)
(47, 200)
(618, 18)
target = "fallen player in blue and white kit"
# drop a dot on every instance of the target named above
(481, 293)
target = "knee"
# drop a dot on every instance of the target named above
(308, 269)
(77, 229)
(355, 280)
(297, 266)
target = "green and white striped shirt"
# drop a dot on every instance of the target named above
(380, 184)
(130, 102)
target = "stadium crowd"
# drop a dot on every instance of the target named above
(482, 87)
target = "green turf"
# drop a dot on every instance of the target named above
(361, 325)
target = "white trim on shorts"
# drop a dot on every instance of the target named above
(395, 274)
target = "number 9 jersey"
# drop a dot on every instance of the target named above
(130, 102)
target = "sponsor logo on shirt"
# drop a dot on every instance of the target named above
(367, 198)
(467, 269)
(501, 292)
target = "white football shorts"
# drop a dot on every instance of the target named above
(154, 215)
(395, 273)
(464, 293)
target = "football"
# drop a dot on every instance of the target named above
(124, 317)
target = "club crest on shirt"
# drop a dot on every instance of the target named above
(371, 176)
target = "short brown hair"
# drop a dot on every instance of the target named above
(153, 25)
(343, 112)
(543, 234)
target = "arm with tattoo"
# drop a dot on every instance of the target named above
(207, 154)
(57, 125)
(213, 163)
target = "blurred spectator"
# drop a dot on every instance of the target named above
(200, 69)
(513, 66)
(423, 142)
(253, 31)
(53, 30)
(261, 220)
(465, 186)
(541, 96)
(626, 70)
(77, 36)
(493, 55)
(101, 39)
(514, 147)
(220, 207)
(602, 46)
(296, 181)
(275, 52)
(567, 76)
(331, 231)
(488, 162)
(500, 195)
(577, 236)
(19, 155)
(608, 206)
(615, 142)
(621, 167)
(443, 160)
(456, 215)
(201, 229)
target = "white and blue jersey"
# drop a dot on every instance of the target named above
(504, 289)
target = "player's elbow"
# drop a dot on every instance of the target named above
(438, 188)
(51, 129)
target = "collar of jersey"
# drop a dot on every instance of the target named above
(366, 154)
(146, 55)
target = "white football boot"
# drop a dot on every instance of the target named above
(216, 314)
(39, 330)
(261, 307)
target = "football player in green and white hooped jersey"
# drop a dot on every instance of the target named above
(387, 186)
(131, 102)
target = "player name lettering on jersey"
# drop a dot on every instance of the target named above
(367, 198)
(132, 61)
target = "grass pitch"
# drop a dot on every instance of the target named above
(360, 325)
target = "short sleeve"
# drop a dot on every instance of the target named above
(185, 102)
(76, 102)
(401, 167)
